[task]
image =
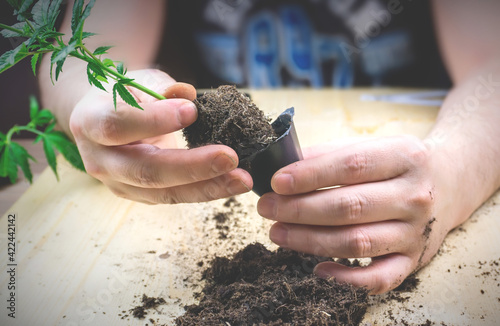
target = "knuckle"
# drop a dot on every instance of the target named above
(360, 243)
(417, 153)
(94, 170)
(211, 191)
(352, 207)
(422, 199)
(357, 164)
(144, 175)
(106, 130)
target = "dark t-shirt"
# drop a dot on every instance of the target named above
(316, 43)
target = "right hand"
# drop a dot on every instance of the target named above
(133, 152)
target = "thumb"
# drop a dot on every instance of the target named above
(161, 83)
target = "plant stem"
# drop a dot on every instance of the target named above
(120, 76)
(12, 29)
(17, 129)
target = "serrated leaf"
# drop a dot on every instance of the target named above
(34, 61)
(39, 12)
(120, 68)
(87, 34)
(62, 54)
(43, 117)
(96, 69)
(88, 8)
(93, 80)
(34, 108)
(8, 33)
(67, 148)
(77, 13)
(50, 155)
(114, 95)
(54, 11)
(8, 167)
(108, 63)
(102, 50)
(10, 58)
(126, 96)
(125, 81)
(79, 17)
(23, 10)
(59, 66)
(21, 156)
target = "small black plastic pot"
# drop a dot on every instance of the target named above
(283, 151)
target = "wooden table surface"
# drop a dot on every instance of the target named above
(85, 257)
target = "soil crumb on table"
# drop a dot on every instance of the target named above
(147, 303)
(260, 287)
(228, 117)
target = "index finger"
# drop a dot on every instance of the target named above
(108, 127)
(367, 161)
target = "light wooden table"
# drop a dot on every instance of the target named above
(85, 257)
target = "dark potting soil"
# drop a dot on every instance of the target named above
(228, 117)
(260, 287)
(141, 311)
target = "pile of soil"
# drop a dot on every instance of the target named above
(261, 287)
(228, 117)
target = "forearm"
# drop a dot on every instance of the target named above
(134, 27)
(466, 138)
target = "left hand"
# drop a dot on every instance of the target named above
(395, 204)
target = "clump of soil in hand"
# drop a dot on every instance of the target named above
(228, 117)
(261, 287)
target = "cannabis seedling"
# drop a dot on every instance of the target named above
(36, 25)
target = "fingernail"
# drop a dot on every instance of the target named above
(283, 182)
(187, 113)
(267, 206)
(237, 187)
(279, 235)
(223, 163)
(321, 270)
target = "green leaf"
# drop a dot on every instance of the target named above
(8, 33)
(96, 69)
(8, 167)
(88, 8)
(76, 17)
(87, 34)
(39, 12)
(21, 157)
(44, 117)
(125, 81)
(45, 12)
(50, 155)
(34, 107)
(126, 96)
(62, 54)
(120, 68)
(54, 11)
(102, 50)
(34, 61)
(79, 17)
(67, 148)
(114, 95)
(10, 58)
(108, 63)
(93, 80)
(23, 11)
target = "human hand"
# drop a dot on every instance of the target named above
(396, 204)
(133, 152)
